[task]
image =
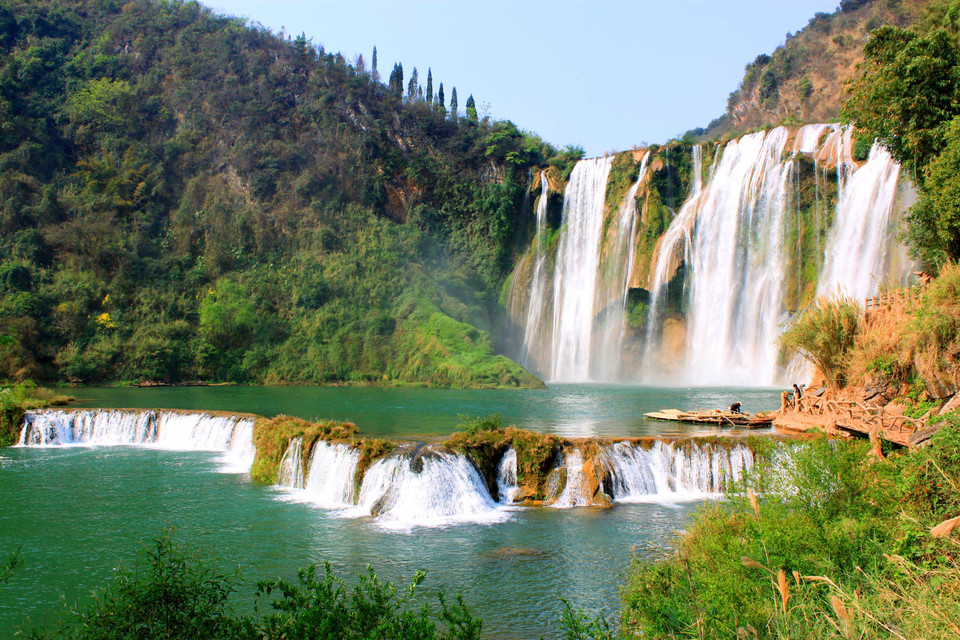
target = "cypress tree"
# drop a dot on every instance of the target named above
(440, 106)
(373, 70)
(453, 103)
(412, 85)
(429, 85)
(396, 81)
(471, 108)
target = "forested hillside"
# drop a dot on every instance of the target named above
(184, 196)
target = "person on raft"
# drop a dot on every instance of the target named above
(797, 393)
(735, 408)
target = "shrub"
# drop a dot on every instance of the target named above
(824, 335)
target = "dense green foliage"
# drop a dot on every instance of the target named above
(837, 548)
(184, 196)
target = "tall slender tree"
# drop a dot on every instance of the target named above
(453, 103)
(440, 106)
(373, 67)
(412, 86)
(429, 85)
(472, 108)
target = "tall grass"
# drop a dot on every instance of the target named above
(824, 334)
(848, 551)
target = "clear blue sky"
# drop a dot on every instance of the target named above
(605, 75)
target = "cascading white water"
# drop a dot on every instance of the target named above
(672, 471)
(574, 489)
(507, 488)
(290, 470)
(614, 282)
(331, 480)
(575, 275)
(673, 249)
(737, 267)
(858, 245)
(446, 490)
(164, 430)
(538, 282)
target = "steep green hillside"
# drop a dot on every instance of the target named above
(185, 196)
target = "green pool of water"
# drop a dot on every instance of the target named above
(78, 512)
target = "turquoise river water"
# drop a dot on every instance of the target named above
(77, 512)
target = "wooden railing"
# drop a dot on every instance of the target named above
(855, 416)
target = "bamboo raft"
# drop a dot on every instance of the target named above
(715, 416)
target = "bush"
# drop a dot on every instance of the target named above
(171, 592)
(824, 335)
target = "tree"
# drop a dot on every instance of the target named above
(429, 85)
(453, 103)
(373, 67)
(906, 93)
(360, 65)
(933, 224)
(412, 85)
(396, 81)
(440, 101)
(472, 108)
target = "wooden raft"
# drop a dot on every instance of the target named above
(715, 416)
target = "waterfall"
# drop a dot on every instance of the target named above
(672, 470)
(330, 481)
(673, 249)
(737, 268)
(164, 430)
(538, 282)
(428, 488)
(577, 266)
(507, 488)
(858, 245)
(290, 471)
(618, 264)
(574, 492)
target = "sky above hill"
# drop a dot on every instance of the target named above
(605, 75)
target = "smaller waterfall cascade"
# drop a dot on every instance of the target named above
(333, 469)
(672, 471)
(859, 242)
(673, 249)
(290, 471)
(617, 266)
(574, 489)
(164, 430)
(445, 489)
(538, 282)
(507, 488)
(575, 276)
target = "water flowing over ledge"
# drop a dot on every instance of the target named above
(177, 431)
(417, 485)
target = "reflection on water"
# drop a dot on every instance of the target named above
(567, 410)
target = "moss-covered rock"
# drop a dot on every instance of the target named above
(271, 436)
